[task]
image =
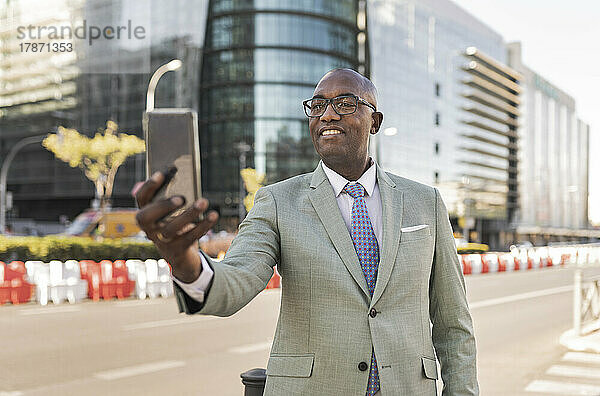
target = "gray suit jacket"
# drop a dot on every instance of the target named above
(324, 329)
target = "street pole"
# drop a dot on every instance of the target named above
(241, 208)
(167, 67)
(470, 221)
(242, 149)
(577, 290)
(4, 172)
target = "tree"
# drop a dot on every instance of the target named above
(99, 157)
(252, 181)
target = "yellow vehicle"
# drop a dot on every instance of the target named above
(114, 223)
(464, 247)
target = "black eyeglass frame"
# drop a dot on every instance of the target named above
(328, 102)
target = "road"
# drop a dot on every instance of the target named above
(146, 347)
(518, 319)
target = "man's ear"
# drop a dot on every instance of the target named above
(376, 121)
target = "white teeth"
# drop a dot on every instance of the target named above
(331, 132)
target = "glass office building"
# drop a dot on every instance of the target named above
(38, 91)
(93, 83)
(434, 132)
(554, 159)
(261, 59)
(115, 75)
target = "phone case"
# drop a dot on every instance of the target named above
(172, 141)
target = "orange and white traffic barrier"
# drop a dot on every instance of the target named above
(527, 259)
(275, 281)
(490, 262)
(14, 285)
(507, 262)
(474, 262)
(466, 265)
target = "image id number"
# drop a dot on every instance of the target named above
(46, 47)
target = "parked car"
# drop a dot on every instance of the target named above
(464, 247)
(113, 223)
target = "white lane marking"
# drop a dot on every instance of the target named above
(261, 346)
(562, 388)
(49, 310)
(581, 357)
(574, 371)
(138, 370)
(56, 387)
(519, 297)
(137, 303)
(167, 322)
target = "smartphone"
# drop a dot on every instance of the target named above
(173, 147)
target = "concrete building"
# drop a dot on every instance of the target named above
(38, 91)
(84, 87)
(451, 108)
(553, 161)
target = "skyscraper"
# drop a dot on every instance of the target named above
(452, 104)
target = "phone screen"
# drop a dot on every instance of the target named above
(172, 141)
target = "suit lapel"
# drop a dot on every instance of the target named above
(324, 202)
(391, 202)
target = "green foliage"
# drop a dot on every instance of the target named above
(76, 248)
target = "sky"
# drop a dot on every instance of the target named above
(561, 42)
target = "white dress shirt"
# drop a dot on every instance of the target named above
(368, 180)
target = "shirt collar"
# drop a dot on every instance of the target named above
(338, 182)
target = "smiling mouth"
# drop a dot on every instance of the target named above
(331, 132)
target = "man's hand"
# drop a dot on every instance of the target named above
(176, 239)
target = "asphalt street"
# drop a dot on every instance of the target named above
(146, 347)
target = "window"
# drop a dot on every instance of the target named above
(437, 148)
(341, 9)
(436, 177)
(437, 119)
(437, 89)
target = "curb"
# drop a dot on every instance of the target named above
(586, 343)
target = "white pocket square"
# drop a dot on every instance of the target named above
(414, 228)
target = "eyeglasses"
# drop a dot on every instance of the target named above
(342, 105)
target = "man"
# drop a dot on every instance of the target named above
(367, 259)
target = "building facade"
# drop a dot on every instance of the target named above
(84, 87)
(38, 91)
(450, 105)
(261, 59)
(554, 160)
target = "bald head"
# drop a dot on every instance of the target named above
(366, 88)
(342, 140)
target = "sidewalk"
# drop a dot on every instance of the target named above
(588, 342)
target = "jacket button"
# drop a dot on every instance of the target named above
(362, 366)
(373, 313)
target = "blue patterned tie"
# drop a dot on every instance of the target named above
(367, 250)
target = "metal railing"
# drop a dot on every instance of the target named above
(586, 290)
(586, 304)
